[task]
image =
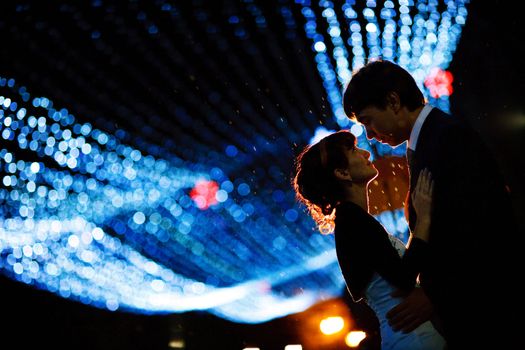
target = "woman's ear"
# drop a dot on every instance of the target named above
(342, 174)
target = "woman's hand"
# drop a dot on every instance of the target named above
(422, 202)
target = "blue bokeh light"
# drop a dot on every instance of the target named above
(108, 219)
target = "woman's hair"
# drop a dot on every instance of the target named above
(314, 182)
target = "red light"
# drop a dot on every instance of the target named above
(439, 82)
(203, 194)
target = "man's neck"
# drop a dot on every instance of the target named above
(412, 117)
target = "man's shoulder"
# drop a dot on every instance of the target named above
(438, 116)
(440, 122)
(449, 133)
(435, 124)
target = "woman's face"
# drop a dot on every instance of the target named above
(360, 168)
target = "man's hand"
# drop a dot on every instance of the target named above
(411, 312)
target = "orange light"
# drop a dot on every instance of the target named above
(353, 338)
(176, 344)
(293, 347)
(332, 325)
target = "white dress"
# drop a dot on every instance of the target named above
(377, 295)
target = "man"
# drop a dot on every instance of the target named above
(468, 267)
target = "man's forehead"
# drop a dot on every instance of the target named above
(361, 115)
(366, 112)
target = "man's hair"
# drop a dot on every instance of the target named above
(371, 85)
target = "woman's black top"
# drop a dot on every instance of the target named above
(363, 247)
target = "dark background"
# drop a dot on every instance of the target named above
(488, 91)
(489, 87)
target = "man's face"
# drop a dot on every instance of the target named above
(383, 125)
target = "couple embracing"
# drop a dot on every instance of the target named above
(454, 284)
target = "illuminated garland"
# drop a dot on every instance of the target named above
(98, 215)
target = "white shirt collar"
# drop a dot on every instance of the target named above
(414, 135)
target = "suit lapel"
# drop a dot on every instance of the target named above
(421, 157)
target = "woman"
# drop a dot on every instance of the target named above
(331, 179)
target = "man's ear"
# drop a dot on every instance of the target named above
(342, 174)
(393, 101)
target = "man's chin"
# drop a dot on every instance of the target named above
(391, 143)
(397, 145)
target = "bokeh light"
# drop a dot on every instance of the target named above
(180, 198)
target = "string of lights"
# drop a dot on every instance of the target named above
(151, 171)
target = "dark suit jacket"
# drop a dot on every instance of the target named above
(474, 239)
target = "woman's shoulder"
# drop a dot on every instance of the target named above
(354, 221)
(345, 209)
(352, 214)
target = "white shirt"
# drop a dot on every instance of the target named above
(414, 135)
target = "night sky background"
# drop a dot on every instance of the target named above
(132, 84)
